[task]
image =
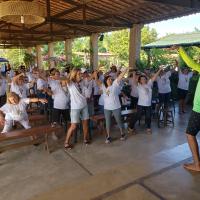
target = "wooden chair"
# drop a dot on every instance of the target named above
(165, 117)
(126, 114)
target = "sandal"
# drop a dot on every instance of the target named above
(149, 131)
(68, 147)
(86, 142)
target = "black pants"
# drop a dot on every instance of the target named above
(2, 100)
(134, 101)
(42, 107)
(57, 113)
(164, 99)
(146, 110)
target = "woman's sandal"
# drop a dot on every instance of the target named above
(68, 147)
(86, 142)
(149, 131)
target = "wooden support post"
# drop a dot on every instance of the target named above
(29, 50)
(39, 56)
(68, 50)
(134, 44)
(94, 51)
(51, 54)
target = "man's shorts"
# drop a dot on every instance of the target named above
(77, 114)
(194, 124)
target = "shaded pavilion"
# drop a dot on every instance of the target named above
(69, 19)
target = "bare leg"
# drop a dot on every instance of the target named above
(192, 141)
(70, 131)
(85, 129)
(183, 106)
(180, 106)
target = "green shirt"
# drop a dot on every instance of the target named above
(196, 106)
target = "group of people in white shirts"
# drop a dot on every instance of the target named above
(75, 96)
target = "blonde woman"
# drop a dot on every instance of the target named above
(19, 86)
(15, 110)
(79, 108)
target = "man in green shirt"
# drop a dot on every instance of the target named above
(192, 130)
(194, 121)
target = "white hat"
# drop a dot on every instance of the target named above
(83, 70)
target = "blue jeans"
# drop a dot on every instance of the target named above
(117, 116)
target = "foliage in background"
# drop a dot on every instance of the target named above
(28, 59)
(15, 56)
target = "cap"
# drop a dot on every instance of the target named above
(83, 70)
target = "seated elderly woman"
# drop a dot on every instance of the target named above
(15, 111)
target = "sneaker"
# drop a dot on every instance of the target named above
(122, 137)
(108, 140)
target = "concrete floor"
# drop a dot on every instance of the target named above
(144, 167)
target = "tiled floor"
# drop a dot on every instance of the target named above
(145, 167)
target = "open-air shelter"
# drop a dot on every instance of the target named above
(69, 19)
(144, 166)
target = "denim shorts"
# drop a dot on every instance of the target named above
(77, 114)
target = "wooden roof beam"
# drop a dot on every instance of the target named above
(25, 32)
(90, 23)
(23, 39)
(181, 3)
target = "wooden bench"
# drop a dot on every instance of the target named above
(37, 119)
(33, 110)
(44, 131)
(100, 121)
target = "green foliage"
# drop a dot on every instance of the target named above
(148, 35)
(81, 44)
(15, 56)
(59, 48)
(119, 45)
(77, 61)
(28, 59)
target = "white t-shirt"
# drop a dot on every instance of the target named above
(96, 88)
(78, 101)
(164, 83)
(111, 96)
(21, 90)
(145, 94)
(11, 73)
(16, 112)
(30, 77)
(60, 97)
(113, 75)
(134, 90)
(101, 100)
(3, 86)
(184, 80)
(86, 86)
(41, 84)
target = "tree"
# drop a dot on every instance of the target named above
(15, 56)
(148, 35)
